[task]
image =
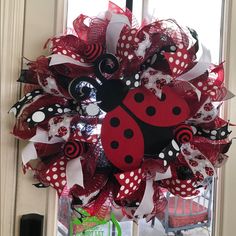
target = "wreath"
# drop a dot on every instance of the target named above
(118, 114)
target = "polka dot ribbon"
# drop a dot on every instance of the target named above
(130, 182)
(126, 43)
(169, 154)
(77, 135)
(178, 61)
(66, 46)
(28, 98)
(56, 175)
(182, 188)
(44, 113)
(132, 81)
(215, 134)
(212, 86)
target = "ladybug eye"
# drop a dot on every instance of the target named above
(176, 110)
(138, 97)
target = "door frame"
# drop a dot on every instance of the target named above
(12, 21)
(12, 46)
(219, 189)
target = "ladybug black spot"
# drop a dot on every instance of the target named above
(163, 97)
(114, 122)
(151, 111)
(128, 133)
(128, 159)
(114, 144)
(139, 97)
(176, 110)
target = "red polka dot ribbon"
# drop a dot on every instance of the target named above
(179, 187)
(55, 175)
(130, 182)
(178, 61)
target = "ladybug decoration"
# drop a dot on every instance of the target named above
(137, 124)
(118, 115)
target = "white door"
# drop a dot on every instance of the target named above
(25, 27)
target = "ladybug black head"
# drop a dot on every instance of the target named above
(110, 93)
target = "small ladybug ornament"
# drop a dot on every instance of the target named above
(137, 123)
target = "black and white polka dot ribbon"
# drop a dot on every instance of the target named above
(29, 97)
(169, 153)
(45, 113)
(215, 134)
(132, 81)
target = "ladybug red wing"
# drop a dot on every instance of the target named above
(122, 140)
(168, 111)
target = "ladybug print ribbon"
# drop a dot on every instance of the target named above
(59, 126)
(198, 163)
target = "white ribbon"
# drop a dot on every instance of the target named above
(166, 175)
(196, 90)
(201, 163)
(29, 153)
(115, 26)
(200, 68)
(146, 206)
(41, 136)
(142, 47)
(57, 59)
(74, 173)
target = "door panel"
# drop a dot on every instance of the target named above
(40, 24)
(229, 190)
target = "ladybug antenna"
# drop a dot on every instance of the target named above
(106, 64)
(80, 88)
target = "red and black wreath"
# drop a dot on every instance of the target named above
(122, 113)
